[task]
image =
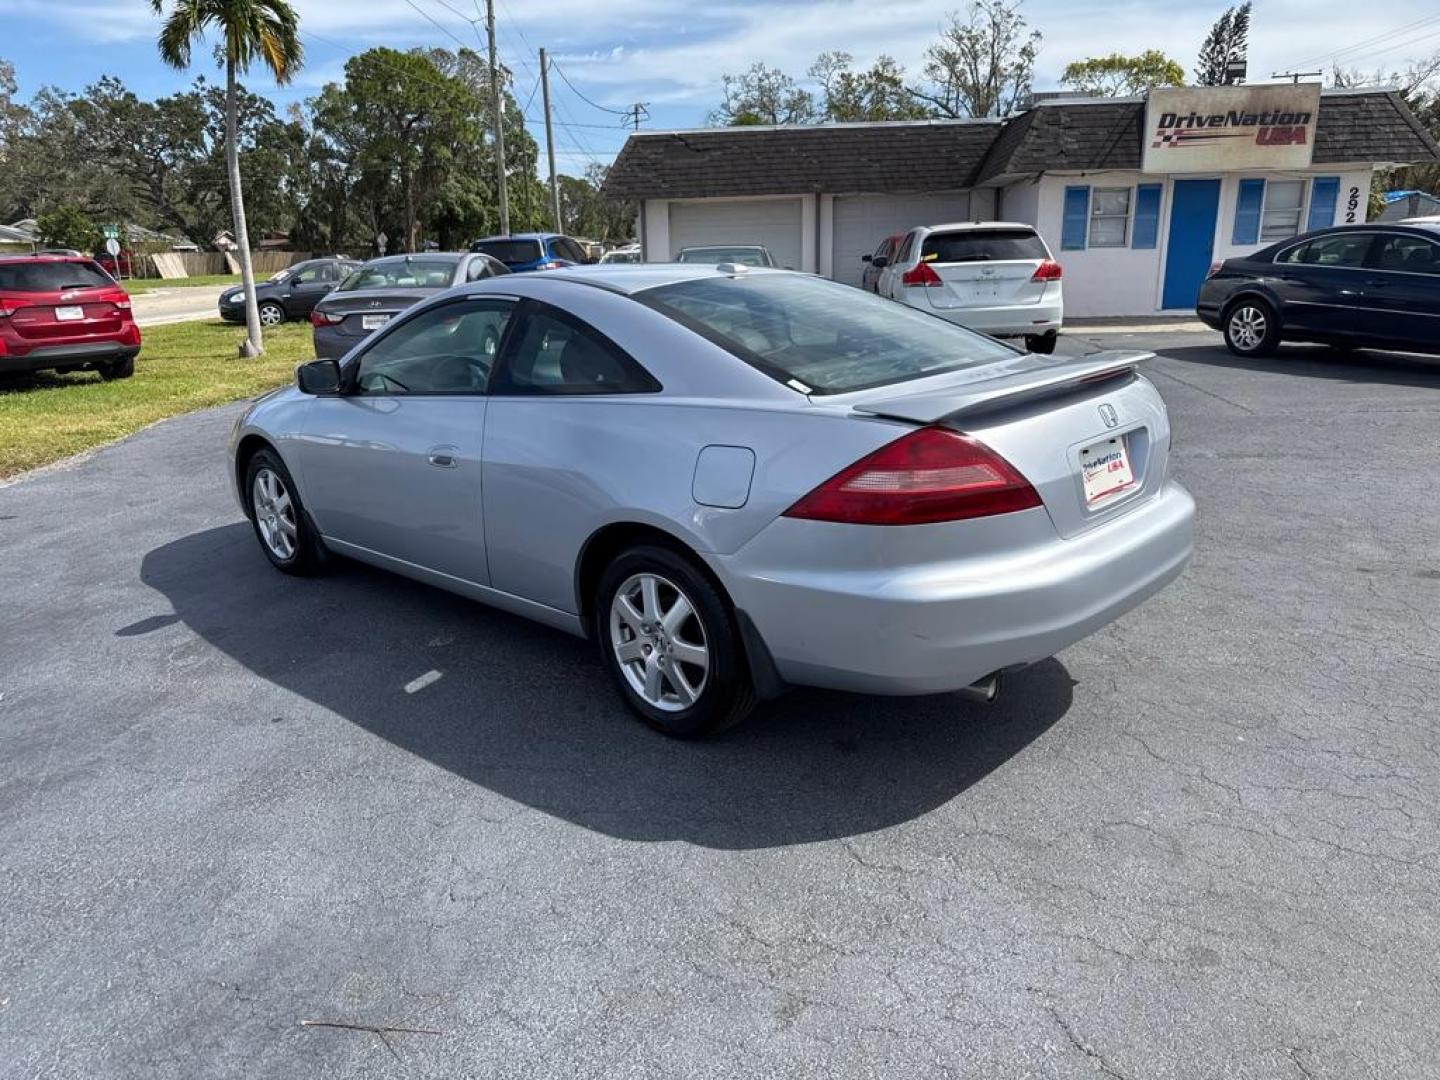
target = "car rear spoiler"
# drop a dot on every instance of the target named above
(1008, 383)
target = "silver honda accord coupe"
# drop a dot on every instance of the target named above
(733, 479)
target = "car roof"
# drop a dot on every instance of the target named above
(724, 247)
(20, 256)
(420, 255)
(979, 226)
(520, 236)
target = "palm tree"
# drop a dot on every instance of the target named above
(267, 29)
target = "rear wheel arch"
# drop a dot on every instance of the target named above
(1252, 295)
(608, 541)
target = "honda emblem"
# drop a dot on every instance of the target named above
(1108, 414)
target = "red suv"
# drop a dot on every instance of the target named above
(63, 312)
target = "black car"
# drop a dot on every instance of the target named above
(1353, 286)
(290, 294)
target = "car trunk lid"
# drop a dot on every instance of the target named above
(364, 311)
(1089, 434)
(66, 313)
(978, 268)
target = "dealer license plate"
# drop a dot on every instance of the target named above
(69, 314)
(1105, 469)
(373, 322)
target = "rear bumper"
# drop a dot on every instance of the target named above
(937, 627)
(44, 357)
(1015, 320)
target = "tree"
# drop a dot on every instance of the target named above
(763, 95)
(983, 64)
(876, 94)
(69, 227)
(267, 30)
(1117, 75)
(1227, 43)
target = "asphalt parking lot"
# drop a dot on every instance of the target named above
(1202, 843)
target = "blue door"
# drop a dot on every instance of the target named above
(1191, 246)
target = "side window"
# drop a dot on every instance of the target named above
(1410, 254)
(570, 250)
(329, 271)
(905, 247)
(1280, 217)
(446, 350)
(556, 353)
(1340, 250)
(310, 274)
(1109, 217)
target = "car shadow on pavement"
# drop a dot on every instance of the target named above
(529, 713)
(1321, 362)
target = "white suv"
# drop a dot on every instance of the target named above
(996, 277)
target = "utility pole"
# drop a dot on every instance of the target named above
(638, 112)
(1296, 76)
(499, 120)
(550, 141)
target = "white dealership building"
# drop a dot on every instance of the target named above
(1137, 197)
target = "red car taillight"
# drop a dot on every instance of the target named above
(325, 318)
(1049, 270)
(927, 476)
(551, 265)
(922, 276)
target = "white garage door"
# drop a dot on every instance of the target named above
(862, 221)
(773, 223)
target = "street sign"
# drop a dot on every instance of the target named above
(380, 241)
(112, 246)
(112, 232)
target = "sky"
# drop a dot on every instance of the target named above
(672, 54)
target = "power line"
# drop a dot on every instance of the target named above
(1338, 55)
(603, 108)
(437, 24)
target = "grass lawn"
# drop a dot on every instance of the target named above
(136, 286)
(182, 367)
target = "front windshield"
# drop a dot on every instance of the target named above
(421, 272)
(280, 275)
(820, 337)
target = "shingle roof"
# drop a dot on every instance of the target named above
(834, 158)
(1353, 127)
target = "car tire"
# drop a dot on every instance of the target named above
(278, 516)
(1044, 344)
(676, 695)
(271, 314)
(120, 369)
(1251, 328)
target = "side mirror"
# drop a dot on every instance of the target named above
(318, 377)
(865, 258)
(879, 262)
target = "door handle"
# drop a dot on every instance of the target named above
(442, 457)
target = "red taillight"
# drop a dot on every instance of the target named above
(325, 318)
(927, 476)
(1049, 270)
(552, 265)
(922, 276)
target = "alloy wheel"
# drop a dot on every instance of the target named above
(1248, 327)
(659, 642)
(274, 514)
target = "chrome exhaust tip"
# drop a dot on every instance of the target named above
(984, 690)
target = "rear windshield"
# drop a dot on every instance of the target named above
(510, 252)
(417, 273)
(745, 256)
(982, 245)
(818, 336)
(51, 276)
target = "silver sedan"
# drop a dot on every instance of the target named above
(732, 479)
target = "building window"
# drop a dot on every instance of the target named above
(1284, 200)
(1110, 217)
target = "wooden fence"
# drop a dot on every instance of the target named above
(182, 264)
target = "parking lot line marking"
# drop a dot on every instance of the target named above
(415, 685)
